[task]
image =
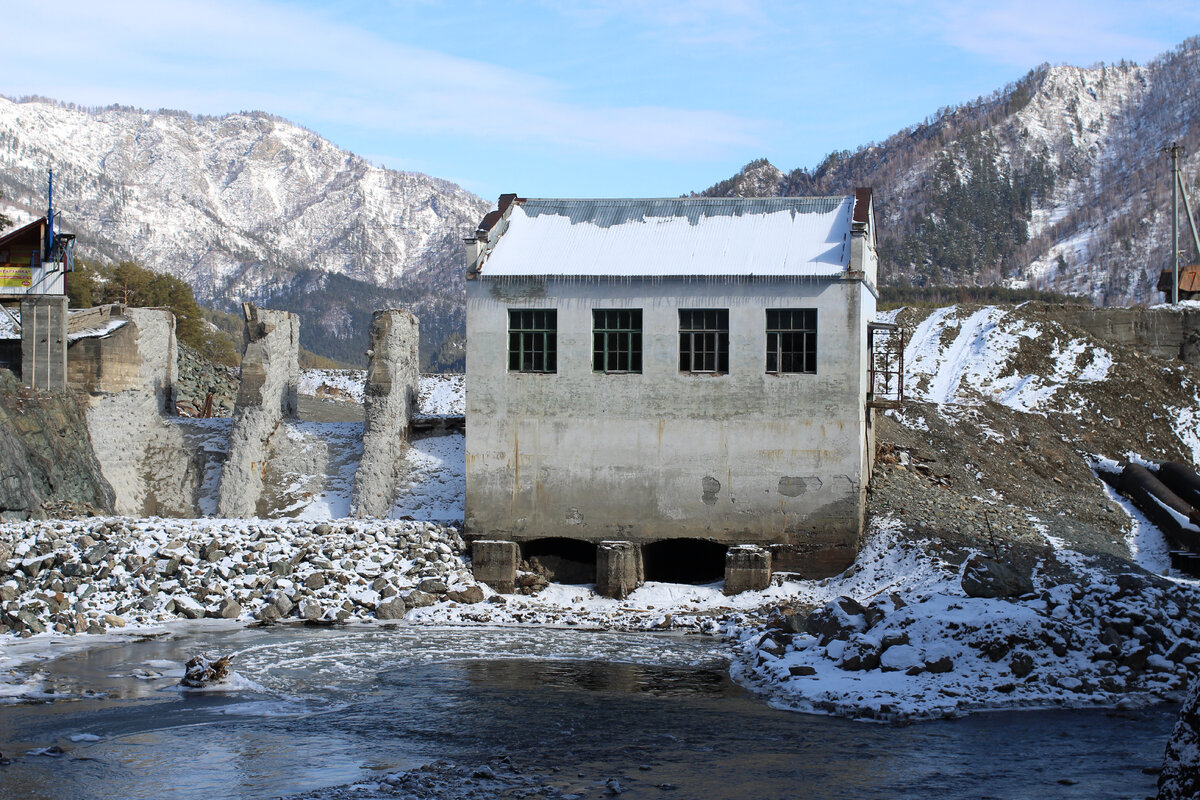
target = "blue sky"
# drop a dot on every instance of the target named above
(572, 98)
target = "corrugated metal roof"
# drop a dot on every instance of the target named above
(675, 236)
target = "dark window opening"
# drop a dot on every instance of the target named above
(692, 561)
(617, 339)
(704, 340)
(533, 340)
(792, 340)
(561, 560)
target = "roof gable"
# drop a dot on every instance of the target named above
(803, 236)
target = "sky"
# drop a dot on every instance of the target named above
(570, 98)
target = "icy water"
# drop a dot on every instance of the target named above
(335, 706)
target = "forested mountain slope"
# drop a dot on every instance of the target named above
(1057, 180)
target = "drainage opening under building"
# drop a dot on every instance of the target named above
(684, 561)
(562, 560)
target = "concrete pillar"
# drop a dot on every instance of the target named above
(619, 569)
(267, 394)
(495, 563)
(393, 376)
(44, 342)
(747, 569)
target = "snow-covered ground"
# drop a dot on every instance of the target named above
(439, 395)
(334, 384)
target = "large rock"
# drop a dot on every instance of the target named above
(1180, 776)
(987, 577)
(837, 619)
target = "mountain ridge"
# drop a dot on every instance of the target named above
(1054, 181)
(242, 206)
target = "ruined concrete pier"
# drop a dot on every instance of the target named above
(747, 569)
(619, 569)
(495, 564)
(391, 396)
(270, 379)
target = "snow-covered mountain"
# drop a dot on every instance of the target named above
(245, 206)
(1057, 180)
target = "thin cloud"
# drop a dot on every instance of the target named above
(1027, 32)
(213, 57)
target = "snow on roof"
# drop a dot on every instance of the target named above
(805, 236)
(99, 330)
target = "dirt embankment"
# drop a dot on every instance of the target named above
(1007, 409)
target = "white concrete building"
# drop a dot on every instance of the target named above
(673, 370)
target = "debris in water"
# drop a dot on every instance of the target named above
(200, 671)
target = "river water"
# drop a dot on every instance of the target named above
(654, 712)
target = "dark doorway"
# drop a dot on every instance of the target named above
(684, 561)
(562, 560)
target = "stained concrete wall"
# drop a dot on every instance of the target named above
(391, 396)
(270, 380)
(747, 457)
(1167, 332)
(44, 342)
(141, 355)
(129, 378)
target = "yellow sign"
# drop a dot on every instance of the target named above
(15, 276)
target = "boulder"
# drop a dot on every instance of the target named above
(900, 657)
(1180, 776)
(432, 586)
(230, 609)
(419, 599)
(941, 665)
(391, 609)
(987, 577)
(836, 619)
(470, 595)
(310, 610)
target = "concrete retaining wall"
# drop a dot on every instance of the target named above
(391, 396)
(130, 380)
(1167, 333)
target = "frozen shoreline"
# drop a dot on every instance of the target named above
(1054, 648)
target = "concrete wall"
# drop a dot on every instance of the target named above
(1168, 333)
(747, 457)
(270, 379)
(130, 380)
(393, 379)
(141, 355)
(44, 342)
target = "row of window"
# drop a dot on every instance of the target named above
(703, 340)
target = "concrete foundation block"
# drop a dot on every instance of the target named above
(619, 569)
(747, 569)
(495, 563)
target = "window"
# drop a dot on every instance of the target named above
(792, 340)
(617, 339)
(704, 340)
(532, 340)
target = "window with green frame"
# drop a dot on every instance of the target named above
(617, 339)
(792, 340)
(532, 340)
(704, 340)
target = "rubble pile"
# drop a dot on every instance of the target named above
(1129, 637)
(97, 574)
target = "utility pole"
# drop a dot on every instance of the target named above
(1174, 148)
